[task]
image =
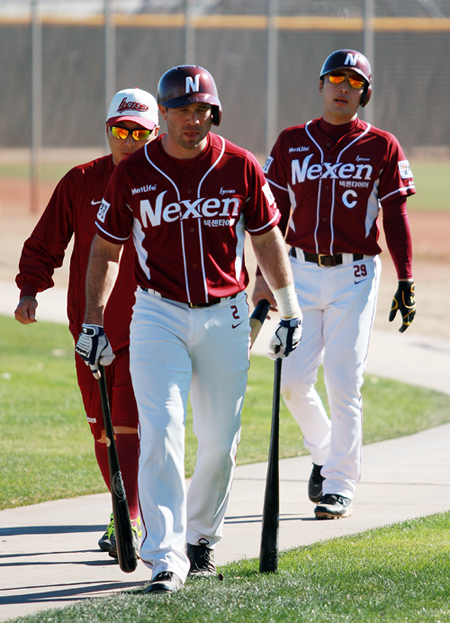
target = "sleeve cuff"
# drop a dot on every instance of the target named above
(28, 289)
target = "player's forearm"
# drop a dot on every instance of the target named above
(100, 278)
(272, 259)
(271, 255)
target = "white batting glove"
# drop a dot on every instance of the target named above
(286, 338)
(93, 346)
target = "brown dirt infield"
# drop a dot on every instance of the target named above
(431, 261)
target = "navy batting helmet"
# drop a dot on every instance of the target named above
(187, 84)
(350, 59)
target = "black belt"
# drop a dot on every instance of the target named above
(325, 260)
(213, 301)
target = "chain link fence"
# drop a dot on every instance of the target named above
(62, 61)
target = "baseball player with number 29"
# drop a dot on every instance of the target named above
(335, 173)
(188, 200)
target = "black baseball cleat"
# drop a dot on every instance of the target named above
(201, 558)
(333, 506)
(316, 479)
(164, 582)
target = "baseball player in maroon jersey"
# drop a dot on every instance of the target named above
(336, 173)
(188, 199)
(131, 123)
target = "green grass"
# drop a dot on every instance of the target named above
(46, 446)
(391, 409)
(47, 449)
(432, 181)
(397, 573)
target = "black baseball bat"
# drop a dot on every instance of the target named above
(257, 318)
(122, 522)
(268, 557)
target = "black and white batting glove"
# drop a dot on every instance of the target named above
(405, 301)
(93, 346)
(285, 338)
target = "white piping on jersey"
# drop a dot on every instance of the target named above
(181, 223)
(214, 164)
(320, 185)
(399, 190)
(142, 255)
(183, 248)
(162, 173)
(333, 205)
(333, 195)
(373, 208)
(291, 224)
(277, 185)
(240, 233)
(253, 231)
(120, 240)
(293, 201)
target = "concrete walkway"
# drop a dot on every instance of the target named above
(48, 552)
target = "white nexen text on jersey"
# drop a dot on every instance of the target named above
(332, 171)
(185, 209)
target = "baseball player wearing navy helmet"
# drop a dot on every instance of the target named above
(188, 202)
(358, 63)
(336, 174)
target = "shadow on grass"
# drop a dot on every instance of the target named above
(68, 592)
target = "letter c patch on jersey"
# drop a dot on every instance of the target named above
(349, 198)
(404, 169)
(103, 209)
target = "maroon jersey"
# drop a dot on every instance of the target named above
(71, 210)
(188, 217)
(336, 187)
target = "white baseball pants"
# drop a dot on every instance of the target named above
(175, 350)
(338, 305)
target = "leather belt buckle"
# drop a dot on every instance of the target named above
(327, 262)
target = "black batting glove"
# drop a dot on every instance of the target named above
(405, 301)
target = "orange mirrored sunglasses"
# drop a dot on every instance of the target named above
(339, 78)
(123, 133)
